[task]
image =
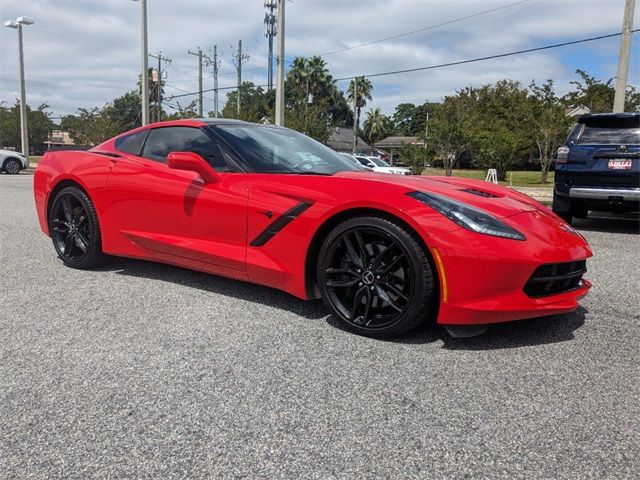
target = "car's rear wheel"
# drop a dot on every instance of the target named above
(11, 166)
(74, 228)
(375, 277)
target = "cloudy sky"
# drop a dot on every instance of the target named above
(83, 53)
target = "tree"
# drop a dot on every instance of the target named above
(376, 126)
(311, 121)
(598, 96)
(448, 133)
(415, 157)
(253, 100)
(125, 112)
(312, 99)
(550, 123)
(359, 92)
(188, 111)
(39, 122)
(496, 118)
(402, 118)
(89, 126)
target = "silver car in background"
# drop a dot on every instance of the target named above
(12, 162)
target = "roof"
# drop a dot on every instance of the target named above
(396, 142)
(222, 121)
(577, 111)
(611, 120)
(342, 139)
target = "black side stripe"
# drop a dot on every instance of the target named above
(279, 223)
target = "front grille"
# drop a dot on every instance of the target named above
(554, 278)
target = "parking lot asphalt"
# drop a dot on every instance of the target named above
(141, 370)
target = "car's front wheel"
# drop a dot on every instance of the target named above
(74, 228)
(375, 277)
(12, 166)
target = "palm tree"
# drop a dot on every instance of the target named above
(359, 92)
(297, 74)
(376, 126)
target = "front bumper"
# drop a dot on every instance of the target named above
(482, 278)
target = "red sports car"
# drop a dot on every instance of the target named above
(271, 206)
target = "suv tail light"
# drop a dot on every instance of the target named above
(563, 155)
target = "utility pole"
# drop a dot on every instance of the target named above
(216, 64)
(623, 59)
(426, 131)
(280, 64)
(355, 114)
(270, 32)
(239, 59)
(199, 55)
(159, 82)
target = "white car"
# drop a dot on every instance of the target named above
(12, 162)
(379, 165)
(353, 159)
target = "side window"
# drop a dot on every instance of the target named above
(131, 143)
(164, 140)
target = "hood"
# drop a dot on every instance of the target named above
(11, 152)
(499, 201)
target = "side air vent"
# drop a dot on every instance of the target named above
(554, 278)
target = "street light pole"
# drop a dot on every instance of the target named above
(144, 79)
(145, 64)
(24, 129)
(280, 66)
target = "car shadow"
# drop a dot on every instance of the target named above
(312, 310)
(523, 333)
(609, 223)
(540, 331)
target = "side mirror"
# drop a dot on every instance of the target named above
(193, 162)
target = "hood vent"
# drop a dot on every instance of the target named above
(480, 193)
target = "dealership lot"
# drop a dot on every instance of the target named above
(145, 370)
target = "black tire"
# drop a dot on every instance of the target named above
(566, 216)
(375, 277)
(12, 166)
(74, 229)
(579, 211)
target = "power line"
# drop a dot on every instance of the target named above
(431, 27)
(490, 57)
(206, 90)
(442, 65)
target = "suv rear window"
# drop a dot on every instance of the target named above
(607, 136)
(610, 130)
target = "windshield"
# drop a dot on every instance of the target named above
(269, 149)
(379, 162)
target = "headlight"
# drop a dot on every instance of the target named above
(467, 216)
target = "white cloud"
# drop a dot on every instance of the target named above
(82, 53)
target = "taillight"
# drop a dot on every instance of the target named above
(563, 155)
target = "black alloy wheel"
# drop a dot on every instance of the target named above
(73, 225)
(375, 277)
(12, 166)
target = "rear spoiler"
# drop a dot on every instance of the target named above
(611, 120)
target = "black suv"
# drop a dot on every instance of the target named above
(598, 168)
